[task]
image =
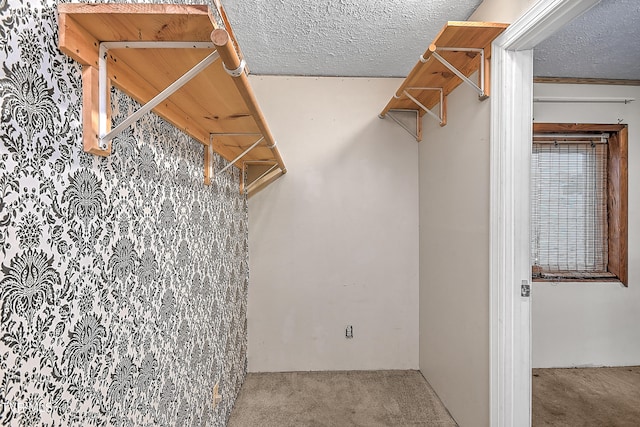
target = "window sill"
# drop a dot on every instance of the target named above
(575, 277)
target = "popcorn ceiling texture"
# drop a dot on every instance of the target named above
(372, 38)
(123, 280)
(602, 43)
(382, 38)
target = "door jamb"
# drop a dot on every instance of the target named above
(511, 123)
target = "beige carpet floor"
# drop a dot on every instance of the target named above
(340, 399)
(602, 397)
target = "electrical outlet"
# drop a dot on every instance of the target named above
(349, 332)
(217, 398)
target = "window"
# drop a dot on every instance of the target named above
(579, 202)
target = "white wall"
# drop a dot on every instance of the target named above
(454, 257)
(335, 241)
(501, 10)
(454, 246)
(592, 324)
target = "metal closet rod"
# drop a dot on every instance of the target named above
(572, 135)
(571, 138)
(579, 99)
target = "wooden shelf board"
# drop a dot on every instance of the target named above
(138, 22)
(469, 34)
(209, 103)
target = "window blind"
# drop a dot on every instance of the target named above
(569, 206)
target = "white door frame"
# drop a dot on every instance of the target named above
(511, 124)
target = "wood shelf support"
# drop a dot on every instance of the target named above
(105, 87)
(232, 162)
(440, 117)
(243, 172)
(481, 79)
(266, 178)
(418, 132)
(208, 162)
(91, 113)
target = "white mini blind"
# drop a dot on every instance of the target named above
(569, 207)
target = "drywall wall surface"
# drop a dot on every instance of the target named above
(589, 324)
(506, 11)
(123, 280)
(334, 242)
(454, 257)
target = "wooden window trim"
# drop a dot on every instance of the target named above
(617, 201)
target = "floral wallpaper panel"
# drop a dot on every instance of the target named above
(123, 280)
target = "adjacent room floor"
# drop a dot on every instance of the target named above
(346, 398)
(586, 397)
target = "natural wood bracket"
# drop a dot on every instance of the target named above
(215, 105)
(461, 49)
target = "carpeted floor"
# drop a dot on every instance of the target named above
(340, 399)
(586, 397)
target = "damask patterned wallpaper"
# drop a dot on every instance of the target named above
(123, 280)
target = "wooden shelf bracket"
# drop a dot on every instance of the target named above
(209, 158)
(208, 161)
(479, 88)
(441, 116)
(104, 86)
(268, 175)
(232, 162)
(418, 131)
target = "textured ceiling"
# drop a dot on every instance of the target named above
(364, 38)
(384, 38)
(602, 43)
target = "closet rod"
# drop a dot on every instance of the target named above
(577, 99)
(234, 67)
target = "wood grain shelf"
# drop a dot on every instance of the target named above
(214, 107)
(466, 47)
